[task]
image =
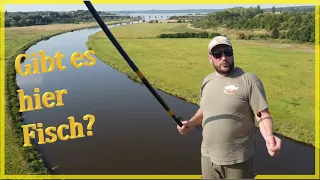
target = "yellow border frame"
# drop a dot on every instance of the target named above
(2, 90)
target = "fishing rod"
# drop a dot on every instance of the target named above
(130, 62)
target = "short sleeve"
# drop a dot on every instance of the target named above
(204, 82)
(200, 93)
(257, 97)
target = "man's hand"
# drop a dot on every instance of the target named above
(185, 128)
(273, 144)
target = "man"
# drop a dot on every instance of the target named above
(230, 98)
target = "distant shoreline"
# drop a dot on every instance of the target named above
(285, 8)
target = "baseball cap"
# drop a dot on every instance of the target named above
(217, 41)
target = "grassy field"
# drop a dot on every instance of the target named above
(178, 66)
(18, 159)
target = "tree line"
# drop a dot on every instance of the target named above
(189, 35)
(13, 19)
(294, 25)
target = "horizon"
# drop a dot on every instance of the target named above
(137, 7)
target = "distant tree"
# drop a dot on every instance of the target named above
(275, 33)
(7, 23)
(312, 36)
(13, 23)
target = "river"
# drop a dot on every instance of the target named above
(132, 133)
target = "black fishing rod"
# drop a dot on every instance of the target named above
(129, 61)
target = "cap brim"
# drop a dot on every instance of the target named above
(218, 45)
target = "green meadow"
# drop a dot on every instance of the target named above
(178, 66)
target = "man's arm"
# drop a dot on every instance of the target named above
(265, 123)
(258, 100)
(196, 119)
(273, 143)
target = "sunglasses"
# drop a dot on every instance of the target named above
(218, 53)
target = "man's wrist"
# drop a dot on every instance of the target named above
(267, 136)
(190, 124)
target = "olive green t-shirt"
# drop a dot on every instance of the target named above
(228, 105)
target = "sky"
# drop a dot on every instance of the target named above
(127, 7)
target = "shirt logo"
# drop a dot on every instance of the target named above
(230, 89)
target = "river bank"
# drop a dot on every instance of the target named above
(18, 40)
(178, 66)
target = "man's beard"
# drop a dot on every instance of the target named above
(220, 71)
